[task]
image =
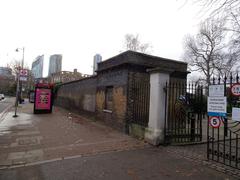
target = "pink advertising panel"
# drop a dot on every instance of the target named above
(43, 99)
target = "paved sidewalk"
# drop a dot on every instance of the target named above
(197, 154)
(150, 163)
(5, 105)
(30, 138)
(48, 143)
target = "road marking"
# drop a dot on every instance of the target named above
(4, 112)
(27, 133)
(29, 141)
(25, 157)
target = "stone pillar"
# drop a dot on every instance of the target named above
(154, 134)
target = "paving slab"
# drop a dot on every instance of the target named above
(139, 164)
(69, 146)
(39, 137)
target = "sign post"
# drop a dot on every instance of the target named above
(216, 90)
(214, 121)
(235, 89)
(217, 105)
(22, 77)
(236, 114)
(23, 74)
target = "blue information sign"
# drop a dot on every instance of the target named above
(217, 114)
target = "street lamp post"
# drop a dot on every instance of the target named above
(17, 93)
(18, 49)
(18, 83)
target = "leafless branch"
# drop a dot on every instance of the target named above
(207, 53)
(132, 42)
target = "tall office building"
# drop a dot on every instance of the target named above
(37, 67)
(96, 59)
(55, 64)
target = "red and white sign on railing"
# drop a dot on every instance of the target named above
(215, 121)
(235, 89)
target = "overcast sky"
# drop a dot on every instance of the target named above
(80, 29)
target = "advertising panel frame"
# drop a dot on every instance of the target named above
(44, 93)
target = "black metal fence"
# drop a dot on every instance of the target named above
(184, 107)
(224, 142)
(138, 98)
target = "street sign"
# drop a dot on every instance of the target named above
(23, 72)
(23, 78)
(215, 121)
(216, 90)
(217, 106)
(23, 75)
(235, 114)
(235, 89)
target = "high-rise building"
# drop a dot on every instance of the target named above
(96, 59)
(37, 67)
(55, 64)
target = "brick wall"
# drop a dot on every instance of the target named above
(117, 79)
(89, 95)
(114, 76)
(78, 95)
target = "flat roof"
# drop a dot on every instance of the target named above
(136, 58)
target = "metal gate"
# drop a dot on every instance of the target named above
(138, 98)
(223, 143)
(184, 107)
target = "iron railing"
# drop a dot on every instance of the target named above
(223, 143)
(184, 109)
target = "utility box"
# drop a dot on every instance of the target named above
(43, 98)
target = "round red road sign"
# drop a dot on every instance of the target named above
(215, 121)
(235, 89)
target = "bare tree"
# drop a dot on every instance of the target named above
(217, 7)
(15, 66)
(206, 52)
(132, 42)
(231, 10)
(235, 29)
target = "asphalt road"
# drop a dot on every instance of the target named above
(5, 103)
(143, 164)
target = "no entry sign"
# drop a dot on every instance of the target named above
(215, 121)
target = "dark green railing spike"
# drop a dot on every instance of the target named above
(231, 78)
(219, 79)
(225, 78)
(237, 78)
